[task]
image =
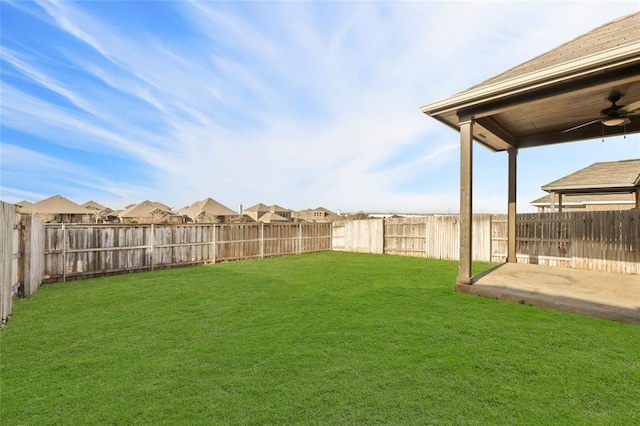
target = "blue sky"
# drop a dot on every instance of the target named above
(301, 104)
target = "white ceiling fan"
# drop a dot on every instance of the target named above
(614, 115)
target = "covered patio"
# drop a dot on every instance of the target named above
(598, 294)
(587, 88)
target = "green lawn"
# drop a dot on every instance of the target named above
(324, 338)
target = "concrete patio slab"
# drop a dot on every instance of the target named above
(599, 294)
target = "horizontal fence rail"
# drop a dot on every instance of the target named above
(74, 251)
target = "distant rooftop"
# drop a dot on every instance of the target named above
(612, 176)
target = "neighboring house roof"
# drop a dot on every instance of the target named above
(56, 204)
(23, 206)
(263, 208)
(310, 214)
(258, 208)
(272, 217)
(107, 212)
(206, 206)
(259, 212)
(277, 208)
(612, 176)
(584, 199)
(144, 209)
(92, 205)
(23, 203)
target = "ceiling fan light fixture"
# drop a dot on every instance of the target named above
(613, 121)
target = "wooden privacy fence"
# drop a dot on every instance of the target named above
(600, 241)
(83, 250)
(607, 241)
(21, 257)
(435, 236)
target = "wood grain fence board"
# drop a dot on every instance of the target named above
(337, 236)
(364, 236)
(34, 236)
(8, 259)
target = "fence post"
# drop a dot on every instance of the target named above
(64, 254)
(426, 237)
(213, 242)
(300, 238)
(330, 236)
(261, 240)
(384, 233)
(152, 237)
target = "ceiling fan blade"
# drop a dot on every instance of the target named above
(631, 107)
(626, 121)
(581, 125)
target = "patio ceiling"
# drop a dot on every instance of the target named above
(535, 103)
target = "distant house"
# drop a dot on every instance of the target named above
(23, 206)
(56, 209)
(93, 206)
(268, 214)
(319, 214)
(100, 213)
(587, 202)
(613, 185)
(208, 211)
(149, 212)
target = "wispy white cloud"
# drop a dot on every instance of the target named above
(299, 104)
(68, 177)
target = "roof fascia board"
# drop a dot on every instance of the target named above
(619, 56)
(589, 189)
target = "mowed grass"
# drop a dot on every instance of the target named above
(324, 338)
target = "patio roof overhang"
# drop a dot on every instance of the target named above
(537, 108)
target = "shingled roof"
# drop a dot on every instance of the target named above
(56, 204)
(93, 205)
(144, 208)
(207, 206)
(612, 176)
(606, 37)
